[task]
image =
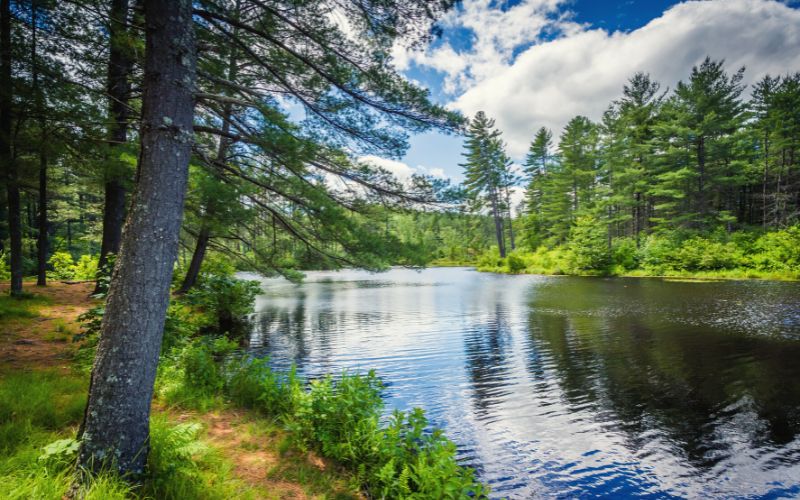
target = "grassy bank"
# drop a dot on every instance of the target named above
(223, 425)
(743, 255)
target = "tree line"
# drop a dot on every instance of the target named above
(699, 158)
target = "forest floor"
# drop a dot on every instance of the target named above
(36, 336)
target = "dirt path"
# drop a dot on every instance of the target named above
(42, 340)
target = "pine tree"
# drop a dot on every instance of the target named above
(697, 137)
(537, 165)
(486, 172)
(628, 132)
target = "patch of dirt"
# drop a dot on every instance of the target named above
(44, 341)
(252, 458)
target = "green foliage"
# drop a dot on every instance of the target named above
(63, 266)
(516, 264)
(624, 254)
(775, 254)
(181, 466)
(51, 401)
(338, 416)
(85, 268)
(175, 450)
(226, 301)
(203, 362)
(589, 245)
(5, 270)
(778, 251)
(59, 454)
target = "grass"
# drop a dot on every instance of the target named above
(22, 307)
(223, 426)
(42, 407)
(183, 463)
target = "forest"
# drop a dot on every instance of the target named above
(700, 179)
(156, 154)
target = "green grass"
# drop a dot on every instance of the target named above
(24, 306)
(40, 407)
(35, 403)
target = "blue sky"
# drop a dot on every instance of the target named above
(533, 63)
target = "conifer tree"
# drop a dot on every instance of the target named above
(486, 172)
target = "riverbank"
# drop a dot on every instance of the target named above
(719, 275)
(223, 423)
(221, 453)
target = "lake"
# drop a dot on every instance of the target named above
(568, 386)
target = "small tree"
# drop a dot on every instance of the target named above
(589, 244)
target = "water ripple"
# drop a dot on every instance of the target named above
(569, 387)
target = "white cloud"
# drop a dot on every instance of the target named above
(583, 69)
(402, 171)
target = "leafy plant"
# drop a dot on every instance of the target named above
(63, 266)
(59, 454)
(226, 301)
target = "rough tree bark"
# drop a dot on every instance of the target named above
(6, 160)
(116, 427)
(198, 255)
(118, 90)
(42, 238)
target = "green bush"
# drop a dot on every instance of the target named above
(338, 416)
(778, 251)
(63, 266)
(625, 254)
(85, 268)
(701, 254)
(516, 263)
(5, 268)
(226, 301)
(589, 245)
(204, 368)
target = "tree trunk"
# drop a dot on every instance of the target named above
(42, 241)
(197, 260)
(116, 427)
(6, 160)
(113, 220)
(498, 226)
(118, 89)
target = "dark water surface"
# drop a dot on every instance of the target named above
(569, 387)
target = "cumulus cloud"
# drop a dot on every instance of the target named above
(402, 171)
(517, 74)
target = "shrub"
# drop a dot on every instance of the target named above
(589, 245)
(516, 263)
(203, 364)
(85, 268)
(338, 416)
(778, 251)
(625, 254)
(701, 254)
(5, 268)
(63, 266)
(227, 301)
(656, 253)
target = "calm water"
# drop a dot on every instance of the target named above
(570, 387)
